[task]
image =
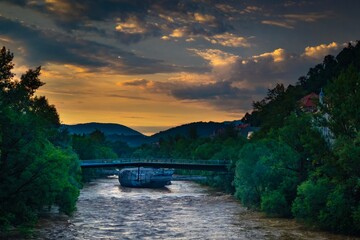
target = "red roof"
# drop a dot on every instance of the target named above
(309, 100)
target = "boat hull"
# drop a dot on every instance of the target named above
(145, 177)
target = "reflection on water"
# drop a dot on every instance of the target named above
(183, 210)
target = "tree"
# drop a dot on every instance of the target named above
(35, 171)
(263, 176)
(342, 103)
(93, 146)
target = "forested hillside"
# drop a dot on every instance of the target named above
(291, 168)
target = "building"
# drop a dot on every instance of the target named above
(309, 103)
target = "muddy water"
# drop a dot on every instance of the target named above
(183, 210)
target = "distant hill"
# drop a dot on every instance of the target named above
(106, 128)
(118, 132)
(203, 129)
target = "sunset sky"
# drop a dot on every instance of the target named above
(151, 65)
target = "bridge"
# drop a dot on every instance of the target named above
(209, 165)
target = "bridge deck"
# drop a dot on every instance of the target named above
(210, 165)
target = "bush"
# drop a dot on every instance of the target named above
(311, 199)
(274, 204)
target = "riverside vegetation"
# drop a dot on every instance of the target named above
(287, 169)
(38, 168)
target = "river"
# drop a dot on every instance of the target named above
(183, 210)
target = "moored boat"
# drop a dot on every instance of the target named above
(145, 177)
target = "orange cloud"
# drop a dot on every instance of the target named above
(131, 26)
(178, 33)
(203, 18)
(216, 57)
(278, 55)
(320, 51)
(229, 40)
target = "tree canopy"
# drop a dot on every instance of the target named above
(37, 170)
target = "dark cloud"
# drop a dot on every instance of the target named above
(247, 80)
(215, 90)
(71, 15)
(42, 47)
(48, 46)
(114, 95)
(221, 95)
(137, 82)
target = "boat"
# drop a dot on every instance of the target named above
(140, 177)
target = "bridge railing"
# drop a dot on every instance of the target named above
(158, 160)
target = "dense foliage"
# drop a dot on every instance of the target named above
(293, 166)
(38, 169)
(95, 146)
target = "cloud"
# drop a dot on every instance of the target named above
(204, 18)
(251, 9)
(43, 47)
(222, 95)
(178, 32)
(215, 57)
(278, 55)
(226, 8)
(289, 21)
(132, 25)
(234, 81)
(114, 95)
(320, 51)
(283, 24)
(308, 17)
(136, 82)
(136, 20)
(228, 40)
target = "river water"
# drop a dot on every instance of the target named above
(183, 210)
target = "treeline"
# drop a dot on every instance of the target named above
(291, 168)
(223, 146)
(38, 168)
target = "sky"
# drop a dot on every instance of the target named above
(152, 65)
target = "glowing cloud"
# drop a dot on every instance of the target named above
(320, 51)
(131, 26)
(278, 55)
(58, 6)
(216, 57)
(229, 40)
(178, 33)
(203, 18)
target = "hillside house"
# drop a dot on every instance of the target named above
(309, 103)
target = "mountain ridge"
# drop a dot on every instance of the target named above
(106, 128)
(119, 132)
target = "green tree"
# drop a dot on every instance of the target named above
(35, 172)
(263, 173)
(93, 146)
(342, 103)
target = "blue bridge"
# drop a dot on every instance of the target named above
(209, 165)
